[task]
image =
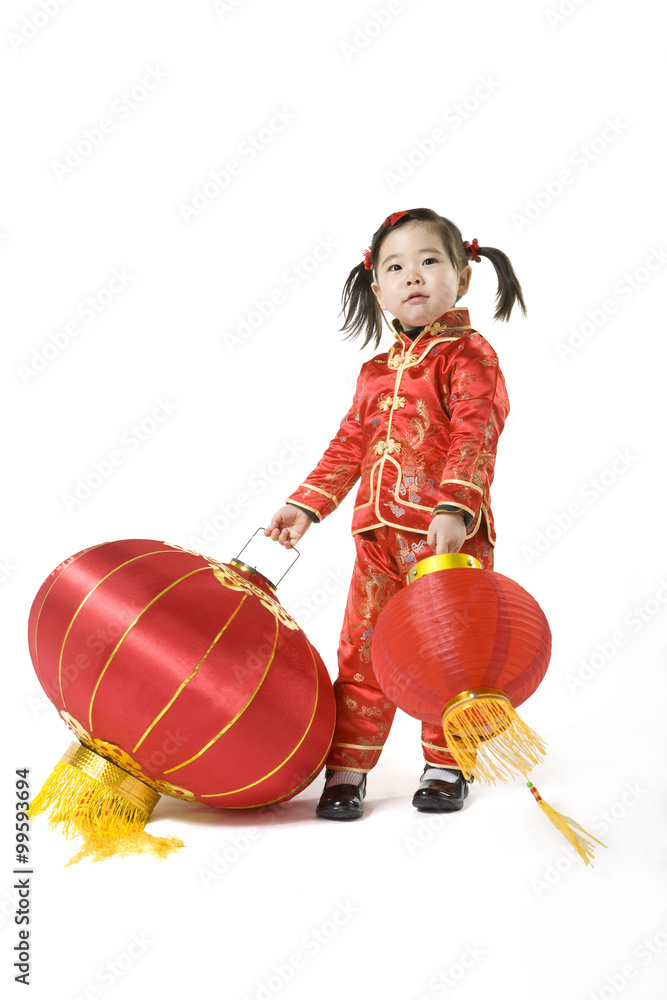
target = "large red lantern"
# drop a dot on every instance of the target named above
(463, 647)
(178, 675)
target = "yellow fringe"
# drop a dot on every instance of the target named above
(139, 842)
(488, 738)
(577, 836)
(108, 823)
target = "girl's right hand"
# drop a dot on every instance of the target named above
(288, 525)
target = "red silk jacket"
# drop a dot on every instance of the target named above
(422, 431)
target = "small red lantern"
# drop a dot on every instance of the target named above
(177, 674)
(464, 647)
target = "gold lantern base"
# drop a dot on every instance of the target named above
(99, 801)
(488, 738)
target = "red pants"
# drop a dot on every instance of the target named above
(364, 714)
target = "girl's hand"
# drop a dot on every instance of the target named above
(446, 533)
(288, 525)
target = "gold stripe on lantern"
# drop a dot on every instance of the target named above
(39, 614)
(215, 795)
(238, 714)
(143, 611)
(90, 592)
(191, 674)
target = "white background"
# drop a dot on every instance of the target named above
(487, 902)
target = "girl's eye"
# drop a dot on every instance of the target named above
(429, 260)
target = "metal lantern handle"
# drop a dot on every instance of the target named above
(255, 570)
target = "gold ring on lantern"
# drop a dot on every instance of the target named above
(118, 781)
(239, 564)
(472, 718)
(466, 708)
(446, 560)
(99, 801)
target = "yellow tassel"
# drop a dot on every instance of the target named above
(577, 836)
(95, 799)
(488, 738)
(100, 848)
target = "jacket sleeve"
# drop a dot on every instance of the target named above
(336, 472)
(478, 406)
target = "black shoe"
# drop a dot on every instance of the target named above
(341, 801)
(441, 795)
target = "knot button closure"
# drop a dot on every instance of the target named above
(387, 447)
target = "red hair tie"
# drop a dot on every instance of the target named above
(471, 250)
(393, 219)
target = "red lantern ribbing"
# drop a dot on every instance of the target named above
(463, 646)
(178, 675)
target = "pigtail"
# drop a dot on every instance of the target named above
(362, 313)
(509, 289)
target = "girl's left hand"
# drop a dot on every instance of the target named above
(446, 533)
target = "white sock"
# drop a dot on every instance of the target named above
(345, 778)
(440, 774)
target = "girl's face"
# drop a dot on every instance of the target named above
(415, 279)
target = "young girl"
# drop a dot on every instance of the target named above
(421, 434)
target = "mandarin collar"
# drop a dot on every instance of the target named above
(453, 319)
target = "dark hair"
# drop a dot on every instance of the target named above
(361, 307)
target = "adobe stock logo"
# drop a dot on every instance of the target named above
(311, 944)
(256, 484)
(591, 491)
(32, 24)
(222, 7)
(624, 289)
(107, 975)
(131, 440)
(581, 159)
(96, 135)
(88, 309)
(565, 9)
(643, 954)
(247, 151)
(365, 33)
(453, 118)
(446, 979)
(606, 649)
(234, 849)
(292, 278)
(6, 569)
